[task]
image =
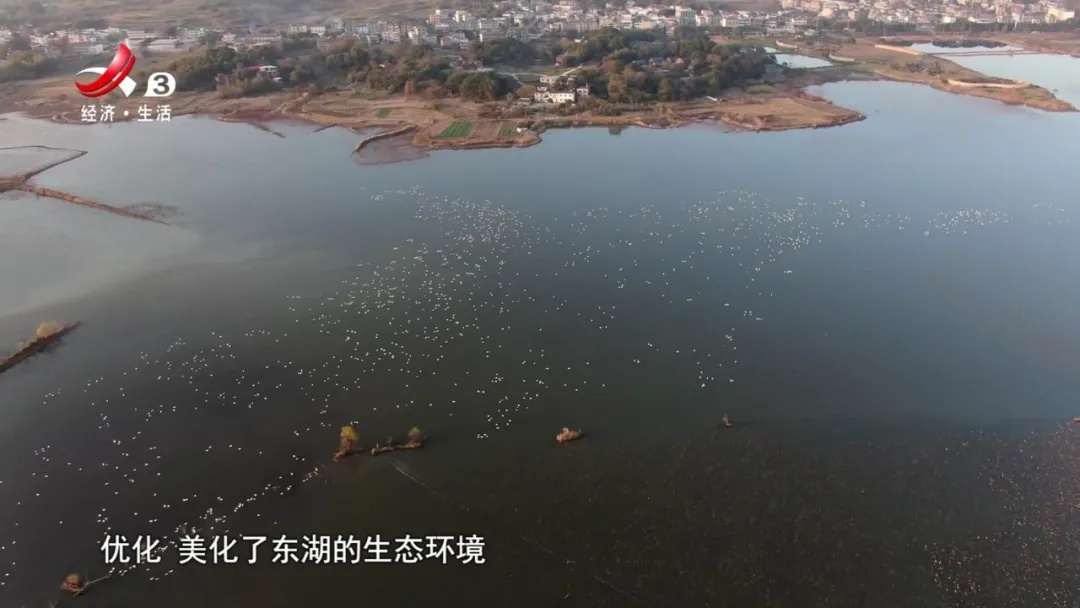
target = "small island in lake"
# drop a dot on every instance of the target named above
(46, 335)
(349, 439)
(568, 434)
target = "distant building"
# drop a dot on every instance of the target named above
(269, 71)
(87, 49)
(165, 45)
(543, 95)
(133, 37)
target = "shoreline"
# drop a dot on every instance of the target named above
(784, 105)
(21, 183)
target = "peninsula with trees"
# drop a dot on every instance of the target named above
(498, 93)
(504, 91)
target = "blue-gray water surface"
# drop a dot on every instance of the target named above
(887, 311)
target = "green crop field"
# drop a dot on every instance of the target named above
(507, 130)
(458, 129)
(383, 112)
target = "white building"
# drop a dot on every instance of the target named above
(543, 95)
(165, 45)
(267, 71)
(133, 38)
(86, 48)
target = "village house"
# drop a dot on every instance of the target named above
(269, 71)
(263, 40)
(133, 38)
(455, 39)
(165, 45)
(87, 48)
(544, 95)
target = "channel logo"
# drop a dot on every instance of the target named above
(117, 76)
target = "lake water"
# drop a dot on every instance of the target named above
(798, 61)
(887, 311)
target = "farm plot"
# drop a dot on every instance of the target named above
(459, 129)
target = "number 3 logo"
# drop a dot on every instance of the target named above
(161, 84)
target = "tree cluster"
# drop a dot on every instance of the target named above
(511, 51)
(18, 62)
(403, 68)
(641, 67)
(199, 72)
(411, 69)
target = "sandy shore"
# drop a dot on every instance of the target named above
(899, 63)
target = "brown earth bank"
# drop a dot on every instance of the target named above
(454, 123)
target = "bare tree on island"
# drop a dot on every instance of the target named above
(347, 444)
(416, 436)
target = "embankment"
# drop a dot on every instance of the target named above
(10, 184)
(479, 144)
(26, 175)
(35, 346)
(760, 123)
(384, 135)
(1019, 84)
(899, 49)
